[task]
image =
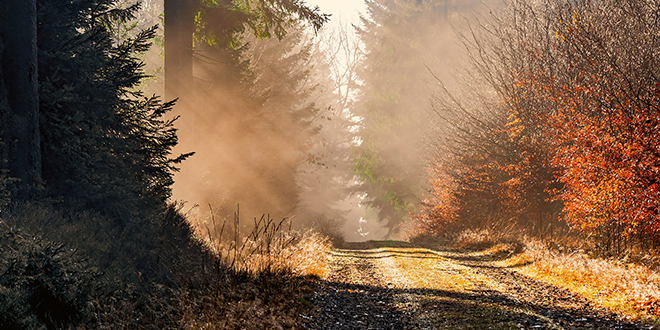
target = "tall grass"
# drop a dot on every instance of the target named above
(155, 273)
(270, 246)
(260, 278)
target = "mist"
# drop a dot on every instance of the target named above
(328, 129)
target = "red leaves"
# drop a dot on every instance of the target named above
(647, 304)
(579, 124)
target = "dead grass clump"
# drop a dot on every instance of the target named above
(260, 280)
(270, 247)
(629, 289)
(474, 240)
(309, 256)
(496, 245)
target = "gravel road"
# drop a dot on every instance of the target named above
(391, 285)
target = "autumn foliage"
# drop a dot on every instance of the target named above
(567, 132)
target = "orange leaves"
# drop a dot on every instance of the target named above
(648, 304)
(609, 172)
(577, 125)
(440, 210)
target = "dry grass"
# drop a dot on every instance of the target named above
(156, 274)
(629, 289)
(268, 274)
(269, 247)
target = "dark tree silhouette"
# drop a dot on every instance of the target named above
(20, 120)
(222, 22)
(179, 28)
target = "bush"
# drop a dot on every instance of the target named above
(42, 284)
(153, 273)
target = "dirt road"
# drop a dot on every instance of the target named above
(392, 285)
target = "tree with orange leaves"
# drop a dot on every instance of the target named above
(573, 122)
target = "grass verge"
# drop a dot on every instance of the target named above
(80, 270)
(629, 289)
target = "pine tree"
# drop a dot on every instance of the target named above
(220, 22)
(20, 121)
(105, 145)
(394, 101)
(251, 122)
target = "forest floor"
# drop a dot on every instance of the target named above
(393, 285)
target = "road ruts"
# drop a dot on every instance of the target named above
(354, 296)
(391, 285)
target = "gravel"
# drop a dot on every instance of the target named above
(361, 294)
(354, 297)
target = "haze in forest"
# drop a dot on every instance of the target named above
(524, 133)
(329, 129)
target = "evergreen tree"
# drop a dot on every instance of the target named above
(219, 22)
(19, 115)
(326, 177)
(251, 122)
(105, 145)
(394, 101)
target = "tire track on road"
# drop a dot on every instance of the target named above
(376, 286)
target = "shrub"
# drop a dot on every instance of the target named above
(43, 283)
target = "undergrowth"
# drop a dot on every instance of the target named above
(627, 286)
(76, 269)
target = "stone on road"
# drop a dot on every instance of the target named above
(392, 285)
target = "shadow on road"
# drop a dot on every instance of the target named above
(342, 304)
(351, 306)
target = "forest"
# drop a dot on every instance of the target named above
(207, 164)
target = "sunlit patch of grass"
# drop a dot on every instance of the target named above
(263, 279)
(271, 249)
(474, 240)
(625, 288)
(417, 268)
(628, 289)
(309, 256)
(430, 271)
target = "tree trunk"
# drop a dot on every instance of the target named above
(179, 28)
(20, 121)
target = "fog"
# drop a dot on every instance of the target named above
(277, 126)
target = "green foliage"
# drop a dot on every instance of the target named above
(105, 145)
(393, 103)
(223, 22)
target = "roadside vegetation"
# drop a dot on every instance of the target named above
(90, 237)
(550, 149)
(67, 270)
(626, 285)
